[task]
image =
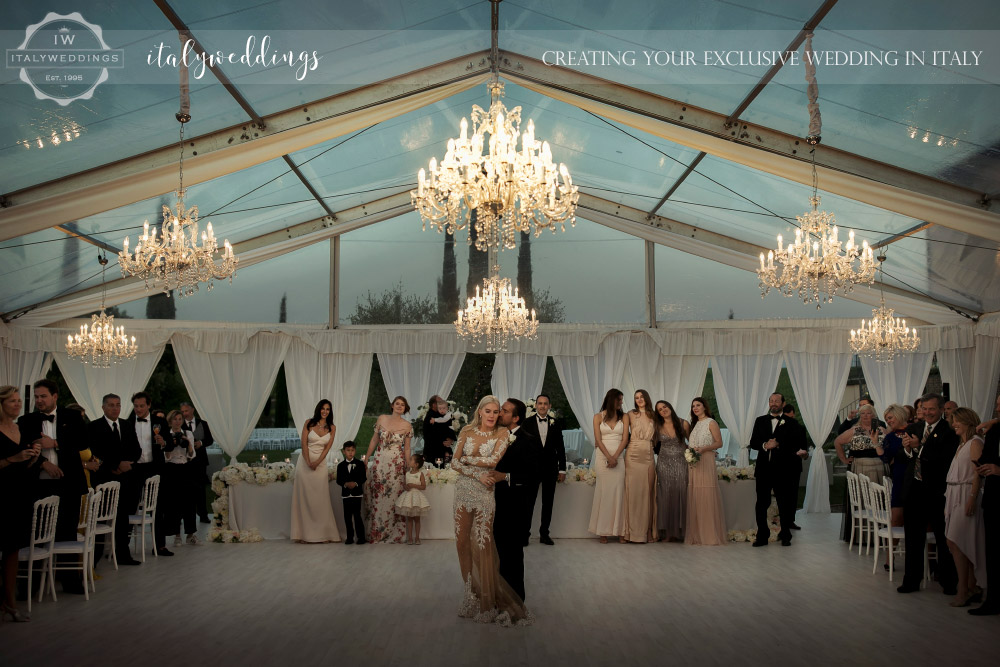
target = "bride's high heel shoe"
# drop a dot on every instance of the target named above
(16, 615)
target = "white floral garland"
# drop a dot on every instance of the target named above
(734, 473)
(241, 473)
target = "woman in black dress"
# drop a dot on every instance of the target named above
(16, 458)
(438, 436)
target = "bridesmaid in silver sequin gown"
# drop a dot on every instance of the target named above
(671, 473)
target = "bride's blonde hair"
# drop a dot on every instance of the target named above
(485, 400)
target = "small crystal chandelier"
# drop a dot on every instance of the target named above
(102, 344)
(496, 314)
(816, 262)
(512, 190)
(883, 336)
(174, 260)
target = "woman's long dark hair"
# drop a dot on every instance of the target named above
(674, 419)
(708, 410)
(648, 401)
(608, 405)
(316, 418)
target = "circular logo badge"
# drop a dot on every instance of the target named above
(64, 58)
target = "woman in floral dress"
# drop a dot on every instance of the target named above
(488, 597)
(388, 450)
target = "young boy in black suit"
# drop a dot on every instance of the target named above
(351, 476)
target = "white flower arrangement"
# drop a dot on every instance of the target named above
(734, 473)
(692, 457)
(234, 536)
(585, 475)
(441, 476)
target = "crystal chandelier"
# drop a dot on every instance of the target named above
(102, 344)
(513, 190)
(816, 262)
(496, 314)
(174, 260)
(883, 336)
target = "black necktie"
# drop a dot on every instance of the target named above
(114, 428)
(49, 418)
(141, 419)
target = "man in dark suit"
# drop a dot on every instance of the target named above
(516, 481)
(776, 440)
(198, 466)
(930, 446)
(115, 445)
(795, 465)
(351, 477)
(148, 430)
(544, 428)
(60, 432)
(989, 466)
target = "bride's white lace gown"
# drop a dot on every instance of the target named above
(488, 598)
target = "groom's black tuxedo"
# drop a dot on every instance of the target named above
(774, 469)
(513, 505)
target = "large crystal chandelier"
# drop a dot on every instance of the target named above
(174, 260)
(883, 336)
(101, 344)
(512, 189)
(495, 315)
(817, 265)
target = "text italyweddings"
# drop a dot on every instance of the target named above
(303, 61)
(81, 58)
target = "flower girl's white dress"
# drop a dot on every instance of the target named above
(412, 502)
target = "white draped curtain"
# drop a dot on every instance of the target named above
(673, 378)
(417, 377)
(743, 384)
(818, 381)
(229, 383)
(898, 381)
(340, 378)
(586, 379)
(518, 375)
(89, 384)
(21, 368)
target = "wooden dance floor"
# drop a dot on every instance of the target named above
(287, 604)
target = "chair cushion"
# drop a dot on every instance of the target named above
(137, 519)
(40, 553)
(68, 547)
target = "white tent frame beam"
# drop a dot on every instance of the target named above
(717, 125)
(44, 197)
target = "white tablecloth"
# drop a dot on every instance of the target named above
(268, 509)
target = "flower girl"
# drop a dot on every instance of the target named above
(412, 503)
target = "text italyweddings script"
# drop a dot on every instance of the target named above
(254, 55)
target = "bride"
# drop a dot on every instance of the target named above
(488, 598)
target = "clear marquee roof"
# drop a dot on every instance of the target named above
(941, 123)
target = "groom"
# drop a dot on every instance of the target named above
(775, 438)
(516, 482)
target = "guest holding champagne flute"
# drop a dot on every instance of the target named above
(611, 434)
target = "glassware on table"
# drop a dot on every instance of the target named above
(437, 462)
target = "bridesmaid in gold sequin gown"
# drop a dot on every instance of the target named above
(640, 472)
(488, 598)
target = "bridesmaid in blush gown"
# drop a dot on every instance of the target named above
(611, 433)
(640, 472)
(706, 523)
(312, 512)
(671, 473)
(388, 450)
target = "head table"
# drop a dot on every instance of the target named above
(268, 508)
